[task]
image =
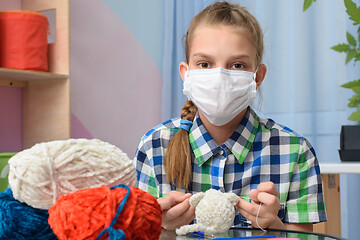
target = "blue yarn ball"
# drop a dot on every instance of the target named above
(20, 221)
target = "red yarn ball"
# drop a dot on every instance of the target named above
(85, 213)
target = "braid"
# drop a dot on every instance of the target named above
(178, 154)
(188, 111)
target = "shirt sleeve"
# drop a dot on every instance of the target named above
(145, 173)
(305, 203)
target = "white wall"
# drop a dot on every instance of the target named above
(115, 79)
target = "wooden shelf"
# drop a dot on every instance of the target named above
(46, 95)
(16, 78)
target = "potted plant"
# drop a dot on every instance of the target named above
(350, 134)
(4, 169)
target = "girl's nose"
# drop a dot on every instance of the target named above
(224, 66)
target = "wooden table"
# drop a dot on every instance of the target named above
(249, 233)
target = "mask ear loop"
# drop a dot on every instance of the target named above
(255, 73)
(187, 76)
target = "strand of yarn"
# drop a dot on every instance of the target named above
(53, 174)
(20, 221)
(40, 175)
(104, 213)
(257, 216)
(113, 233)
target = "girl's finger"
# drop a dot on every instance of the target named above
(187, 217)
(166, 203)
(247, 215)
(171, 199)
(254, 195)
(183, 219)
(178, 196)
(182, 198)
(189, 214)
(268, 199)
(257, 220)
(268, 187)
(250, 208)
(177, 210)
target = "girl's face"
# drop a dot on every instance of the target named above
(223, 46)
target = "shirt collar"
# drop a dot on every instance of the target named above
(239, 143)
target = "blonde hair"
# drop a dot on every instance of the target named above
(178, 155)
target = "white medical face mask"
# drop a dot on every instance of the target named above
(220, 94)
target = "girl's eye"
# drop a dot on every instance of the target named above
(204, 65)
(238, 66)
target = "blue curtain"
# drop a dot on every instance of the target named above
(178, 15)
(302, 87)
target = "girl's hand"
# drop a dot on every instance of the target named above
(176, 210)
(267, 195)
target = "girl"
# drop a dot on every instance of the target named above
(219, 142)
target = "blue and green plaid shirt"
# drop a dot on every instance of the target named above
(259, 150)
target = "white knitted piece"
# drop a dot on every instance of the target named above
(40, 175)
(214, 212)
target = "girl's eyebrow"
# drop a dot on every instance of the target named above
(239, 56)
(201, 55)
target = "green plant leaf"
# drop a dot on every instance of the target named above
(355, 116)
(351, 54)
(354, 101)
(351, 39)
(356, 90)
(352, 105)
(353, 11)
(355, 83)
(357, 57)
(307, 4)
(341, 47)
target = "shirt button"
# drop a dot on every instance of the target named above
(221, 152)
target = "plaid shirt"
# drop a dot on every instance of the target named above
(259, 150)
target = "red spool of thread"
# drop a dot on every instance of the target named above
(84, 214)
(23, 41)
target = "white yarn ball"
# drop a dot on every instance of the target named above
(40, 175)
